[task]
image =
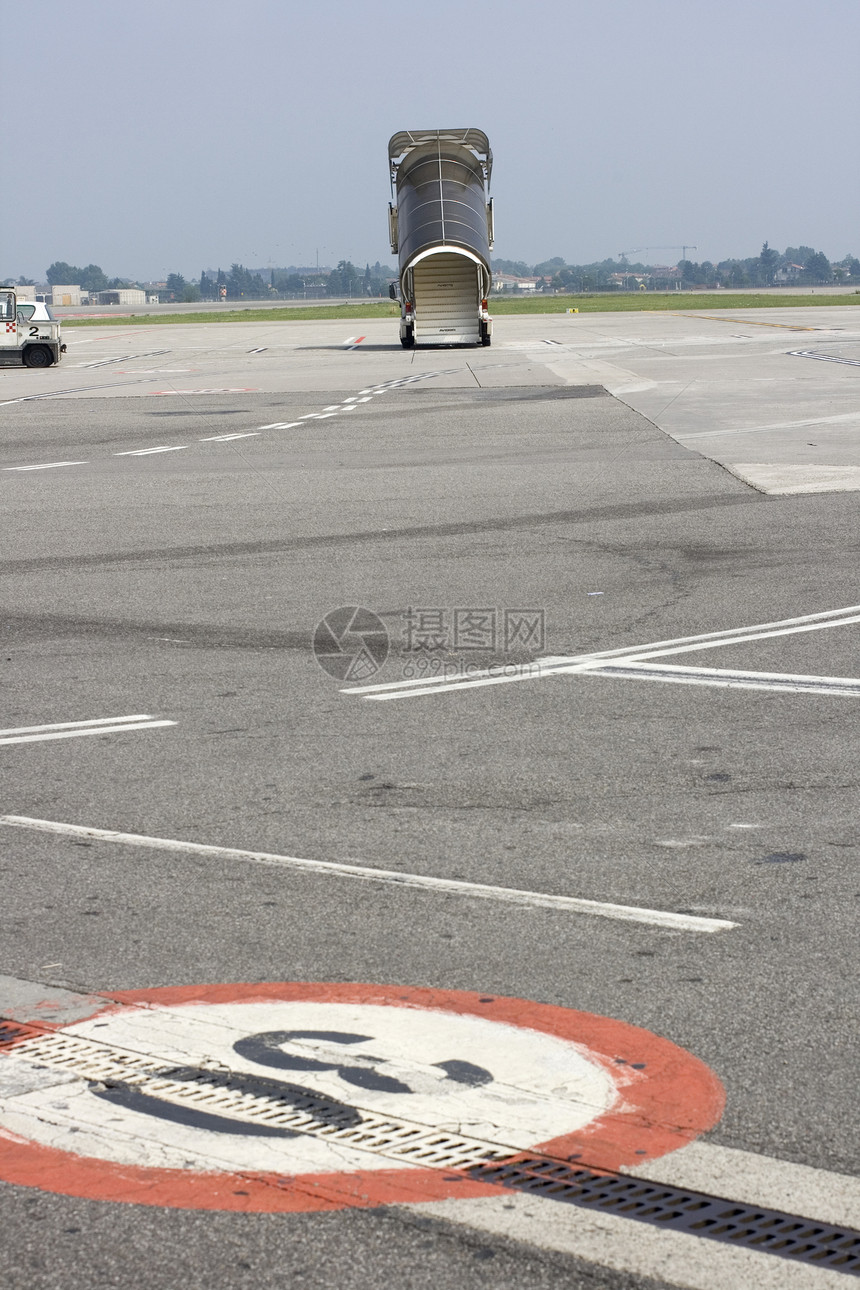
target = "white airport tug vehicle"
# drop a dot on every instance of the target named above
(31, 341)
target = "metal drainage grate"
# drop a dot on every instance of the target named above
(228, 1101)
(764, 1230)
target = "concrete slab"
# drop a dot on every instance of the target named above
(53, 1004)
(798, 478)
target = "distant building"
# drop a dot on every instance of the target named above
(626, 280)
(789, 274)
(507, 282)
(123, 296)
(65, 295)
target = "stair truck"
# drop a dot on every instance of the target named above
(24, 338)
(441, 225)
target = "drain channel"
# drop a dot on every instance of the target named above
(766, 1230)
(231, 1101)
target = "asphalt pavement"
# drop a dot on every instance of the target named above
(514, 674)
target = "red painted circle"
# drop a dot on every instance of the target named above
(667, 1097)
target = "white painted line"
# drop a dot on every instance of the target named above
(225, 438)
(48, 465)
(147, 452)
(280, 425)
(608, 1240)
(843, 418)
(742, 639)
(77, 725)
(752, 1179)
(123, 358)
(825, 358)
(447, 886)
(539, 669)
(92, 730)
(840, 685)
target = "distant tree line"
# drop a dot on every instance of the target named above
(91, 278)
(238, 283)
(345, 280)
(802, 265)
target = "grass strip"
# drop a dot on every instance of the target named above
(313, 313)
(666, 301)
(633, 302)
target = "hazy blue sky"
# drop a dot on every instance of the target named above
(172, 135)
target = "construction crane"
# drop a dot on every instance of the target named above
(622, 255)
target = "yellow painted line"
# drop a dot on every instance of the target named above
(749, 322)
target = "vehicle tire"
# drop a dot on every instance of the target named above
(408, 341)
(38, 356)
(486, 340)
(486, 336)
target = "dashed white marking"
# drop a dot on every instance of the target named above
(238, 389)
(47, 465)
(147, 452)
(225, 438)
(280, 425)
(449, 886)
(123, 358)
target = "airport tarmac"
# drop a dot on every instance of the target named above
(546, 856)
(767, 394)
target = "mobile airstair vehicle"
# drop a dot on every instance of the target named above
(441, 225)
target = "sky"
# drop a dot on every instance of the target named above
(159, 136)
